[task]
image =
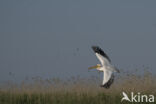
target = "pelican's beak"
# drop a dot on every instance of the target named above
(93, 67)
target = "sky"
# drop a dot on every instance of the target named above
(53, 38)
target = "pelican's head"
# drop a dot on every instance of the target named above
(98, 66)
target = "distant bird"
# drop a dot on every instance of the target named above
(105, 67)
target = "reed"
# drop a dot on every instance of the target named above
(75, 90)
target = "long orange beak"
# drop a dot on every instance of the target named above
(93, 67)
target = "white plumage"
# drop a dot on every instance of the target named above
(105, 67)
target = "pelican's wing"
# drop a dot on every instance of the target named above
(108, 78)
(104, 59)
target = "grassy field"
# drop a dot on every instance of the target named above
(76, 90)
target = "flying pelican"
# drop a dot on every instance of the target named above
(105, 67)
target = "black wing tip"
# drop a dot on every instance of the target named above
(96, 48)
(107, 87)
(109, 83)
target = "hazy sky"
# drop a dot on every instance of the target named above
(53, 38)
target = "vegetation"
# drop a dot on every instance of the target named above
(76, 91)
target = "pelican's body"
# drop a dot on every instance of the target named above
(104, 67)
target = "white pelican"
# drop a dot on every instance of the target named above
(104, 67)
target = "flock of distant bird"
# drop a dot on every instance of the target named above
(105, 67)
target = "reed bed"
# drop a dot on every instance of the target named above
(76, 90)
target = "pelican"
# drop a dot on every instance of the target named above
(105, 67)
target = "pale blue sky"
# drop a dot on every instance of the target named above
(52, 38)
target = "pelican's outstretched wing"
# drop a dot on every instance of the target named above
(108, 78)
(104, 59)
